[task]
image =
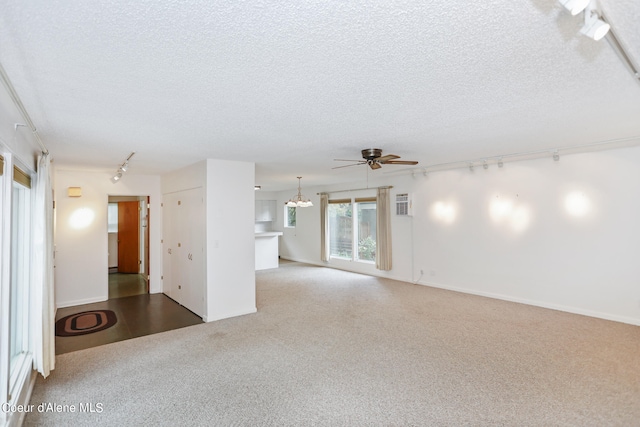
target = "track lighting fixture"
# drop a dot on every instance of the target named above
(485, 164)
(122, 169)
(594, 27)
(556, 155)
(575, 6)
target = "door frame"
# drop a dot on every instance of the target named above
(144, 231)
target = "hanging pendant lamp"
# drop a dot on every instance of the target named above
(299, 201)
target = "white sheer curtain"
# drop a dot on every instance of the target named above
(383, 230)
(324, 227)
(42, 310)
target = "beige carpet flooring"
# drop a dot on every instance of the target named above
(331, 348)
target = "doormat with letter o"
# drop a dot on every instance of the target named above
(84, 323)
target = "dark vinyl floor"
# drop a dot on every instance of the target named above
(139, 313)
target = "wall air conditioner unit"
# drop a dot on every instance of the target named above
(404, 204)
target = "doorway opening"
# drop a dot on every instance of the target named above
(128, 240)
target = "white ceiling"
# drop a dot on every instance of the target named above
(292, 85)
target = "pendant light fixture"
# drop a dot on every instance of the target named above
(299, 201)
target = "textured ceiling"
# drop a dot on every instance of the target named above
(293, 85)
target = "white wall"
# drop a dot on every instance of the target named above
(538, 253)
(81, 257)
(230, 199)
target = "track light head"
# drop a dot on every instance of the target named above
(574, 6)
(594, 27)
(116, 177)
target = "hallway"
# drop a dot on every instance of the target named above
(138, 313)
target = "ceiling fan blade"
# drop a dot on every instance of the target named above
(346, 166)
(385, 159)
(401, 162)
(345, 160)
(375, 165)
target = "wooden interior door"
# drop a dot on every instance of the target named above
(128, 237)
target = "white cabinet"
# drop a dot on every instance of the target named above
(183, 248)
(265, 210)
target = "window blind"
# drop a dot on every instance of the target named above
(365, 199)
(21, 177)
(337, 201)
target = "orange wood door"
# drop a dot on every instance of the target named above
(128, 237)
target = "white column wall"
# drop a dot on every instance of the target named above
(230, 200)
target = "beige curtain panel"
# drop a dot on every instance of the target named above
(324, 227)
(383, 230)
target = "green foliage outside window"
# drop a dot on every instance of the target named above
(291, 216)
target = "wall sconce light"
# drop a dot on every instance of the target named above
(74, 192)
(123, 168)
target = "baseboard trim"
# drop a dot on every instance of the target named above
(542, 304)
(81, 302)
(230, 314)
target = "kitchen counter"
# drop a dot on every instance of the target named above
(267, 249)
(268, 233)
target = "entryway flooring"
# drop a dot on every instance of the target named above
(138, 314)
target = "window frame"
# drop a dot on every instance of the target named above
(354, 203)
(14, 373)
(287, 216)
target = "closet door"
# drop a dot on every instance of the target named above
(169, 245)
(192, 235)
